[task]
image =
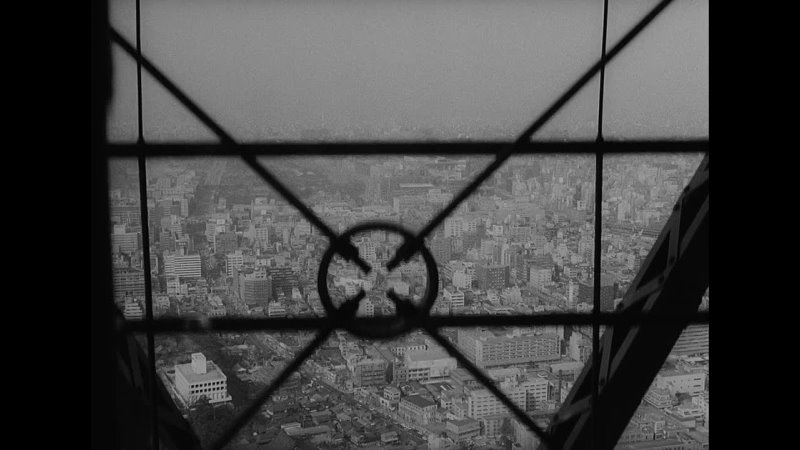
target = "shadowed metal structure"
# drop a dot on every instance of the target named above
(672, 281)
(663, 300)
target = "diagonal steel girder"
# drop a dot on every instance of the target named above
(672, 281)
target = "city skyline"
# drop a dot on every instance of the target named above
(532, 224)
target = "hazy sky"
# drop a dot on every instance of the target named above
(443, 65)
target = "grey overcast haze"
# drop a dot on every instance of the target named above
(385, 69)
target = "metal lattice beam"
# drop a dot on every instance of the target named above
(672, 281)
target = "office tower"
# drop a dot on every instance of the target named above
(487, 349)
(441, 248)
(233, 260)
(183, 266)
(124, 242)
(283, 280)
(201, 378)
(492, 276)
(128, 282)
(253, 286)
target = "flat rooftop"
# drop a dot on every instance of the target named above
(463, 422)
(427, 355)
(213, 373)
(422, 402)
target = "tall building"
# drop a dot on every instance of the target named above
(539, 276)
(486, 349)
(128, 282)
(233, 261)
(526, 393)
(462, 279)
(261, 236)
(123, 241)
(167, 241)
(226, 242)
(201, 378)
(607, 292)
(416, 409)
(254, 287)
(427, 365)
(492, 276)
(453, 297)
(283, 280)
(183, 266)
(368, 371)
(441, 248)
(125, 214)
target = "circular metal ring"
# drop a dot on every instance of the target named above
(407, 314)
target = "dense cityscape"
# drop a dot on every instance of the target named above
(223, 243)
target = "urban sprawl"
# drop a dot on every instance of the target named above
(224, 244)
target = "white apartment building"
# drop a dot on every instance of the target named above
(233, 260)
(539, 276)
(486, 349)
(462, 279)
(453, 297)
(201, 378)
(678, 381)
(482, 403)
(428, 365)
(184, 266)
